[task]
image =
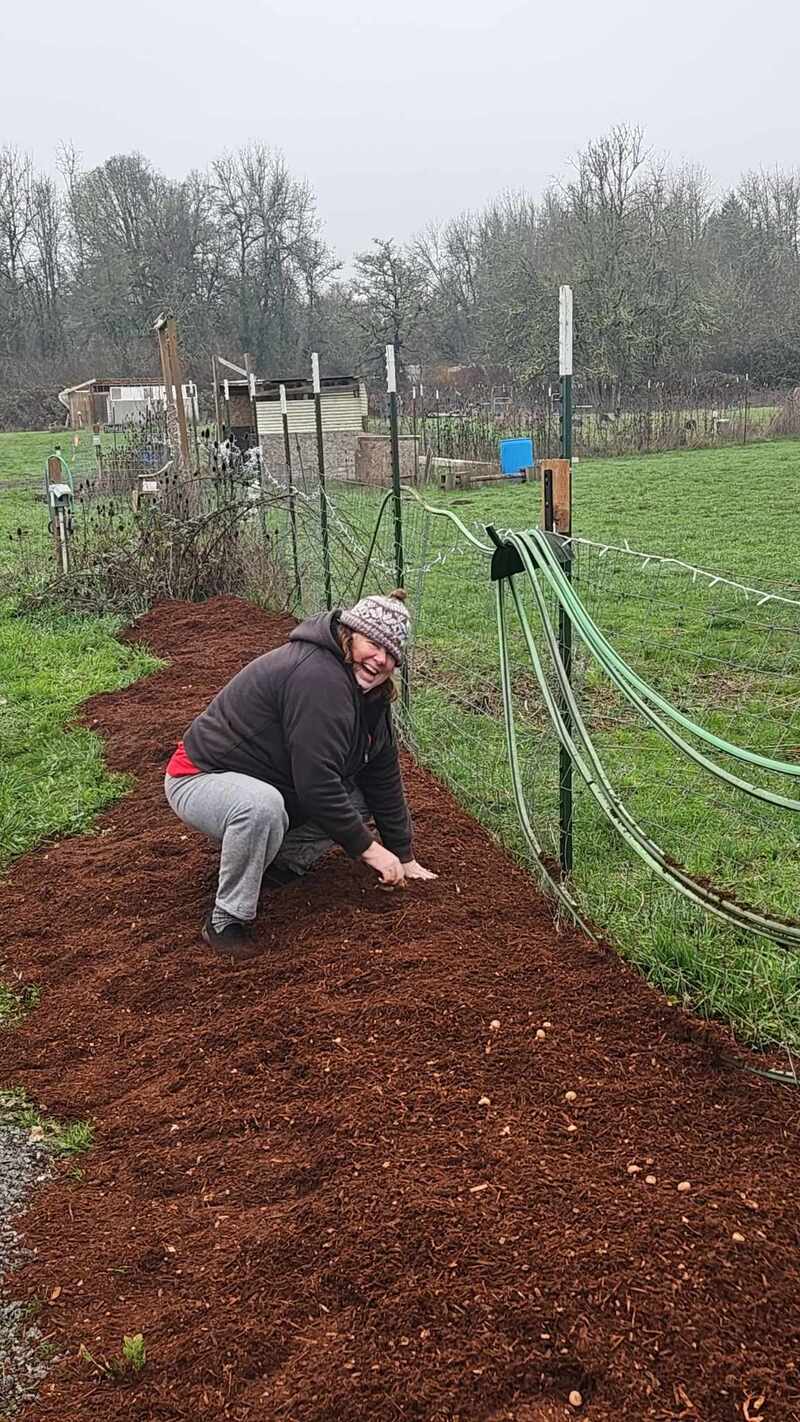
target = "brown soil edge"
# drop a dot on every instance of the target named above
(346, 1181)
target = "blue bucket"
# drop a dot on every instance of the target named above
(516, 455)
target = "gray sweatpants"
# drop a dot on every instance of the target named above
(248, 819)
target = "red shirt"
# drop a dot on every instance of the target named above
(180, 764)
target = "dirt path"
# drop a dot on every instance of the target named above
(350, 1181)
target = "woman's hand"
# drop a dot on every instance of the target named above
(384, 863)
(413, 870)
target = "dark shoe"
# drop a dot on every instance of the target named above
(277, 876)
(232, 941)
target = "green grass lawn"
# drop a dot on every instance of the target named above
(27, 550)
(731, 510)
(23, 453)
(53, 778)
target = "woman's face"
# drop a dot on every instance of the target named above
(372, 665)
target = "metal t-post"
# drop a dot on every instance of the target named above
(58, 511)
(192, 390)
(215, 382)
(62, 536)
(414, 432)
(323, 497)
(397, 500)
(98, 454)
(564, 621)
(287, 450)
(397, 497)
(227, 391)
(251, 390)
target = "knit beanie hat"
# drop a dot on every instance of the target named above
(386, 621)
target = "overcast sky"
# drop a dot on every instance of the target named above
(401, 113)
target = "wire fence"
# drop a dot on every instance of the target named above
(726, 656)
(722, 655)
(648, 418)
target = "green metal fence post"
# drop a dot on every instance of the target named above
(397, 497)
(215, 384)
(227, 391)
(391, 386)
(287, 450)
(564, 621)
(414, 432)
(323, 497)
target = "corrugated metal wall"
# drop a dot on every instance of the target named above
(341, 410)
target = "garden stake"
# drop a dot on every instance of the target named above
(397, 499)
(564, 623)
(323, 498)
(292, 510)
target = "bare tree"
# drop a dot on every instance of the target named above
(16, 218)
(279, 260)
(390, 288)
(667, 282)
(450, 256)
(44, 268)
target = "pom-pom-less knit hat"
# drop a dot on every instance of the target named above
(386, 621)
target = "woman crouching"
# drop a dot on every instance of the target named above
(296, 753)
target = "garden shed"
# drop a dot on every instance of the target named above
(115, 402)
(344, 420)
(344, 405)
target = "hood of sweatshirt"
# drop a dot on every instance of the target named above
(319, 630)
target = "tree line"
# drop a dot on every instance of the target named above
(671, 280)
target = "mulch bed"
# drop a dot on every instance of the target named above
(346, 1181)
